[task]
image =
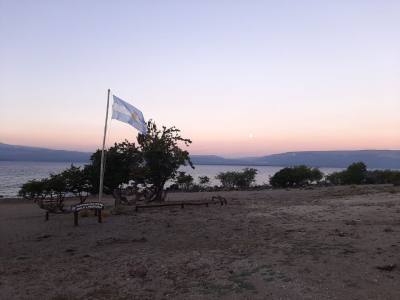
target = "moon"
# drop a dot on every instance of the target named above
(251, 135)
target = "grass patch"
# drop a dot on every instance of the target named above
(240, 282)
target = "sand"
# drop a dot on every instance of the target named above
(321, 243)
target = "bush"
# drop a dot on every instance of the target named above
(77, 182)
(357, 173)
(204, 180)
(295, 176)
(227, 179)
(57, 186)
(33, 189)
(184, 181)
(53, 188)
(233, 179)
(383, 177)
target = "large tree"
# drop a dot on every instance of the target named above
(153, 161)
(162, 156)
(120, 161)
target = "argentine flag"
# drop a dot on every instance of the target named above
(127, 113)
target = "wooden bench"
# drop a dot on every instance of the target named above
(214, 200)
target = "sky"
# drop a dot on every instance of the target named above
(239, 78)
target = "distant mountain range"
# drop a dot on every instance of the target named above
(381, 159)
(24, 153)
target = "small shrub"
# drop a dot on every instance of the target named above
(204, 180)
(232, 179)
(77, 182)
(33, 189)
(184, 181)
(295, 177)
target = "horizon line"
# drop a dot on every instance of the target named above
(222, 155)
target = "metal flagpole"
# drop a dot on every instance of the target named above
(102, 151)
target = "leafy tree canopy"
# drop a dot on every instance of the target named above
(356, 173)
(162, 156)
(153, 161)
(77, 182)
(234, 179)
(121, 166)
(295, 176)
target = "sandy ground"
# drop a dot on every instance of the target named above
(322, 243)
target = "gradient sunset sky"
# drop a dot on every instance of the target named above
(239, 78)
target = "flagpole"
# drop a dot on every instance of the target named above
(102, 151)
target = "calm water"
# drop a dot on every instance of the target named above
(14, 174)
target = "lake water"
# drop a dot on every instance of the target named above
(14, 174)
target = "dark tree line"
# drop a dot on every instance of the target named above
(74, 180)
(356, 173)
(229, 180)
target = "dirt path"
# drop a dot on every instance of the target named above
(325, 243)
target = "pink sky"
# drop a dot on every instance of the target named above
(231, 145)
(305, 76)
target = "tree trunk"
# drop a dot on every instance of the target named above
(117, 197)
(158, 195)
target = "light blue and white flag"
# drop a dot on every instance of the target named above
(127, 113)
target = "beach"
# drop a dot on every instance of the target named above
(313, 243)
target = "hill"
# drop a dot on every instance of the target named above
(380, 159)
(24, 153)
(216, 160)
